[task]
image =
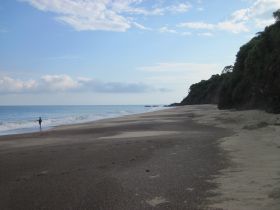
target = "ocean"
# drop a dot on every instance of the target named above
(23, 119)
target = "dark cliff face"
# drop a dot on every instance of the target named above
(254, 81)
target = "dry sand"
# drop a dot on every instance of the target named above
(252, 182)
(192, 157)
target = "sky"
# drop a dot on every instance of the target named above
(119, 51)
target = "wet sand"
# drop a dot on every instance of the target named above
(169, 159)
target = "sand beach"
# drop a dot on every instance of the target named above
(189, 157)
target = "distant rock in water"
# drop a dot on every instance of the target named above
(254, 80)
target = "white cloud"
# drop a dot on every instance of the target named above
(240, 15)
(107, 15)
(175, 8)
(58, 83)
(205, 34)
(8, 84)
(186, 33)
(262, 23)
(139, 26)
(181, 67)
(235, 27)
(197, 25)
(180, 8)
(260, 8)
(232, 26)
(65, 83)
(165, 29)
(259, 14)
(162, 74)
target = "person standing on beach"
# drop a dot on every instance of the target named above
(40, 122)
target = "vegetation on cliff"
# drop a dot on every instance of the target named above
(204, 92)
(253, 81)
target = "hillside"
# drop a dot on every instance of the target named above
(253, 81)
(204, 92)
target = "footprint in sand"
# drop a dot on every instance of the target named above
(154, 176)
(190, 189)
(42, 173)
(156, 201)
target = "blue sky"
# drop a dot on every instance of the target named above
(119, 51)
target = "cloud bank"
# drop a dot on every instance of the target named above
(65, 83)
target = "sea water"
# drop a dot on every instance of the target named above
(23, 119)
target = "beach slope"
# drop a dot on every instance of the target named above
(181, 158)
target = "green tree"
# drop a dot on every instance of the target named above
(276, 15)
(227, 69)
(252, 82)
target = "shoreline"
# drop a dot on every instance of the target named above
(48, 128)
(191, 157)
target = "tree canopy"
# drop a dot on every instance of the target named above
(254, 79)
(276, 15)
